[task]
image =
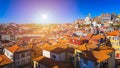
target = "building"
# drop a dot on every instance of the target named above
(87, 20)
(20, 56)
(53, 56)
(78, 23)
(44, 62)
(5, 37)
(36, 50)
(105, 18)
(115, 41)
(55, 53)
(113, 17)
(102, 57)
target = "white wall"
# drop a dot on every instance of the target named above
(5, 37)
(18, 36)
(8, 54)
(46, 53)
(59, 57)
(49, 54)
(11, 56)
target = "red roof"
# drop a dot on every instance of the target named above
(75, 41)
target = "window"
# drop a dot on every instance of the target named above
(117, 43)
(23, 55)
(23, 62)
(35, 53)
(17, 64)
(109, 37)
(28, 53)
(39, 65)
(17, 57)
(85, 61)
(53, 56)
(28, 61)
(110, 54)
(112, 43)
(113, 38)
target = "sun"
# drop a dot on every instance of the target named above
(44, 16)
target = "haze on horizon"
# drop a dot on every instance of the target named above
(53, 11)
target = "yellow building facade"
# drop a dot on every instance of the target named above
(116, 45)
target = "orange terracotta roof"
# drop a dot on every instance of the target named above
(30, 46)
(114, 33)
(82, 48)
(105, 49)
(85, 47)
(96, 54)
(54, 49)
(51, 63)
(58, 50)
(89, 35)
(63, 40)
(46, 45)
(61, 45)
(49, 48)
(97, 36)
(4, 60)
(93, 42)
(51, 40)
(16, 48)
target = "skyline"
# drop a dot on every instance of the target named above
(60, 11)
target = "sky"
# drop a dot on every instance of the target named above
(54, 11)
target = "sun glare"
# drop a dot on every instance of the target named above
(44, 16)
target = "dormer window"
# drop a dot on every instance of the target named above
(53, 56)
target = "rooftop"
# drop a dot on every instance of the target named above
(51, 63)
(87, 46)
(16, 48)
(4, 60)
(54, 49)
(114, 33)
(99, 54)
(95, 56)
